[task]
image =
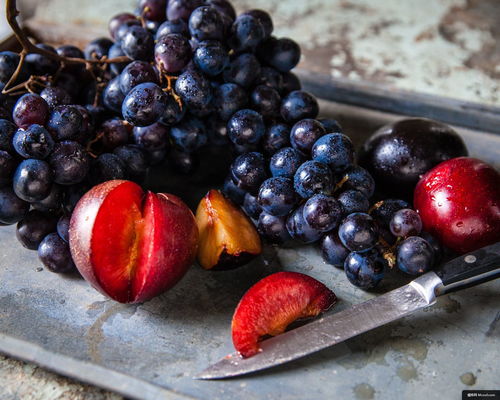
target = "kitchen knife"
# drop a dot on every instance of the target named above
(467, 270)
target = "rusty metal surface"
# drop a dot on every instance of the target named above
(65, 325)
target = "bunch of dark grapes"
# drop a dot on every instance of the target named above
(198, 76)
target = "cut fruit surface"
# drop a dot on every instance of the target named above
(228, 238)
(273, 303)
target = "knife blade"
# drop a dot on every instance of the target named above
(465, 271)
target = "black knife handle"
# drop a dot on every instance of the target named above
(470, 269)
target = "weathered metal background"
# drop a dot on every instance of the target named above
(63, 324)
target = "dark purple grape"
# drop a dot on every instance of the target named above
(113, 96)
(206, 23)
(249, 171)
(322, 213)
(32, 180)
(277, 196)
(73, 85)
(135, 73)
(273, 229)
(55, 96)
(236, 194)
(70, 162)
(291, 83)
(117, 20)
(247, 33)
(299, 229)
(135, 162)
(31, 230)
(8, 65)
(358, 232)
(114, 133)
(63, 227)
(107, 167)
(52, 203)
(181, 9)
(217, 132)
(189, 135)
(194, 89)
(8, 165)
(97, 48)
(353, 201)
(333, 251)
(151, 138)
(313, 177)
(264, 18)
(415, 256)
(251, 206)
(384, 210)
(71, 51)
(116, 51)
(276, 137)
(270, 77)
(72, 196)
(360, 179)
(12, 208)
(38, 64)
(34, 142)
(211, 57)
(138, 43)
(229, 98)
(30, 109)
(123, 28)
(336, 150)
(246, 127)
(173, 113)
(266, 101)
(176, 26)
(299, 105)
(224, 7)
(144, 104)
(282, 54)
(55, 255)
(65, 123)
(304, 135)
(7, 132)
(364, 270)
(88, 126)
(405, 222)
(330, 125)
(436, 246)
(182, 162)
(154, 10)
(243, 70)
(172, 53)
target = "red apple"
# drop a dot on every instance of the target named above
(459, 203)
(129, 244)
(273, 303)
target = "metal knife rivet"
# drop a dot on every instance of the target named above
(470, 259)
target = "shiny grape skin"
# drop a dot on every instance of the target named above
(251, 206)
(332, 250)
(55, 96)
(8, 65)
(270, 77)
(114, 133)
(8, 165)
(70, 162)
(331, 125)
(358, 232)
(266, 101)
(116, 51)
(144, 104)
(313, 177)
(243, 70)
(384, 210)
(436, 246)
(246, 127)
(273, 229)
(224, 7)
(65, 123)
(364, 270)
(415, 256)
(173, 113)
(55, 255)
(107, 167)
(217, 132)
(189, 135)
(305, 133)
(360, 179)
(52, 203)
(277, 196)
(152, 137)
(264, 18)
(282, 54)
(138, 44)
(206, 23)
(194, 89)
(276, 137)
(63, 227)
(247, 33)
(405, 222)
(229, 98)
(353, 201)
(236, 194)
(172, 53)
(334, 149)
(7, 132)
(117, 20)
(135, 73)
(299, 105)
(32, 180)
(299, 229)
(123, 28)
(30, 109)
(322, 213)
(181, 8)
(12, 208)
(154, 10)
(31, 230)
(176, 26)
(34, 142)
(134, 159)
(291, 83)
(248, 171)
(97, 48)
(211, 57)
(113, 96)
(38, 64)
